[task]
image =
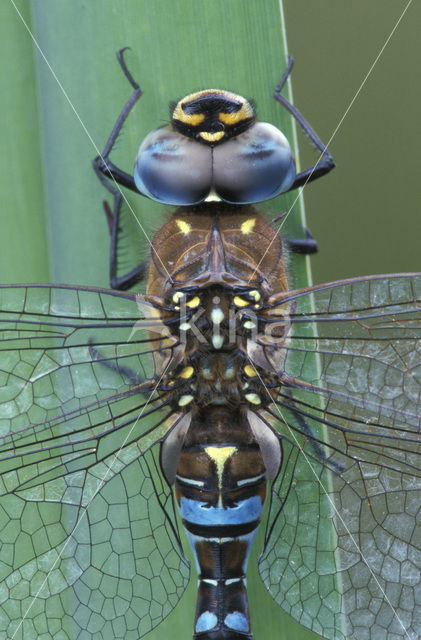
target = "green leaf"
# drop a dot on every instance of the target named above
(49, 188)
(23, 243)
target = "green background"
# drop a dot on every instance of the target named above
(364, 215)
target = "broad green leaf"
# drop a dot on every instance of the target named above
(61, 105)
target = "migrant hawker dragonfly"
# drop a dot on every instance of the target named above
(216, 387)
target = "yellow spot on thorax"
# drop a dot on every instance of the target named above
(240, 302)
(177, 296)
(185, 400)
(248, 225)
(253, 398)
(193, 303)
(250, 371)
(184, 226)
(219, 455)
(187, 373)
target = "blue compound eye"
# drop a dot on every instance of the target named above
(254, 166)
(172, 168)
(175, 169)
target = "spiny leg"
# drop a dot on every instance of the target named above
(109, 175)
(325, 163)
(102, 165)
(129, 279)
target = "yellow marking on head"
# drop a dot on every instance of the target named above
(219, 455)
(243, 113)
(192, 119)
(250, 371)
(255, 295)
(211, 137)
(187, 373)
(248, 225)
(184, 226)
(240, 302)
(193, 303)
(188, 118)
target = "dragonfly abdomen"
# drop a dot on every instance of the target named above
(221, 488)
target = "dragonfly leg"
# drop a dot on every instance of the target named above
(104, 168)
(129, 279)
(304, 246)
(111, 177)
(325, 162)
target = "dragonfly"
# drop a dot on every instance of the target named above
(217, 391)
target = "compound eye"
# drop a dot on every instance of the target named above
(254, 166)
(173, 169)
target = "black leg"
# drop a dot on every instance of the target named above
(127, 281)
(137, 274)
(325, 163)
(102, 164)
(109, 174)
(305, 246)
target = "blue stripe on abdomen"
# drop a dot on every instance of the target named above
(201, 513)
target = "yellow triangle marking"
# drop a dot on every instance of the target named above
(220, 455)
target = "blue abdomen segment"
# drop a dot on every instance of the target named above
(220, 490)
(195, 512)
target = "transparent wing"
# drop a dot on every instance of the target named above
(343, 541)
(88, 524)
